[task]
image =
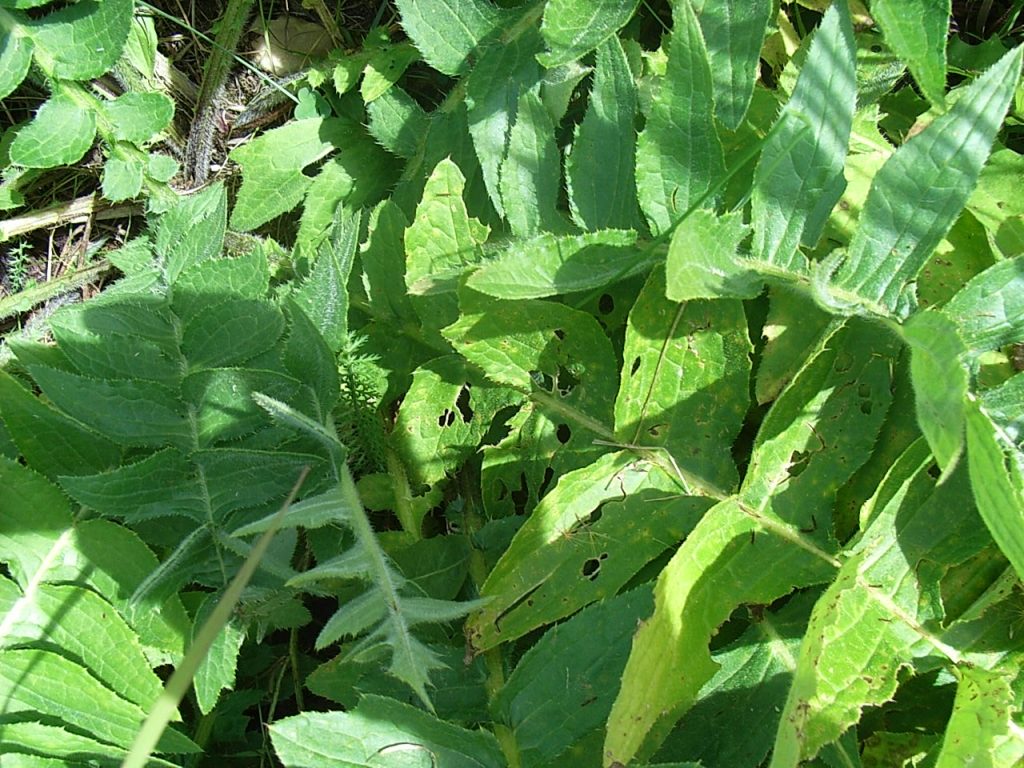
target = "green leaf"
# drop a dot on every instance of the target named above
(940, 383)
(989, 310)
(963, 253)
(847, 388)
(735, 719)
(309, 360)
(39, 544)
(82, 41)
(26, 740)
(563, 360)
(143, 316)
(918, 194)
(157, 486)
(210, 280)
(162, 167)
(230, 332)
(799, 176)
(322, 509)
(421, 610)
(122, 178)
(15, 58)
(450, 32)
(917, 31)
(50, 441)
(601, 167)
(881, 610)
(444, 416)
(60, 134)
(679, 155)
(782, 514)
(192, 231)
(572, 28)
(703, 259)
(530, 173)
(535, 345)
(354, 564)
(1005, 405)
(997, 480)
(272, 165)
(734, 31)
(685, 382)
(380, 728)
(359, 175)
(437, 567)
(397, 122)
(718, 567)
(239, 479)
(86, 628)
(41, 682)
(548, 265)
(585, 540)
(140, 49)
(493, 89)
(441, 240)
(995, 204)
(563, 687)
(383, 261)
(791, 331)
(384, 69)
(357, 616)
(446, 138)
(138, 117)
(558, 86)
(127, 412)
(217, 672)
(982, 729)
(323, 295)
(221, 401)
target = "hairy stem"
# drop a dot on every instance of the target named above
(200, 140)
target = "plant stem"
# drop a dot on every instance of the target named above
(38, 294)
(75, 211)
(218, 67)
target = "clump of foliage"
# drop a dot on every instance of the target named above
(685, 363)
(64, 48)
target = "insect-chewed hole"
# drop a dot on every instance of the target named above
(635, 367)
(798, 462)
(606, 304)
(446, 419)
(592, 566)
(462, 403)
(865, 407)
(549, 475)
(567, 382)
(521, 495)
(559, 334)
(543, 380)
(934, 472)
(563, 433)
(843, 362)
